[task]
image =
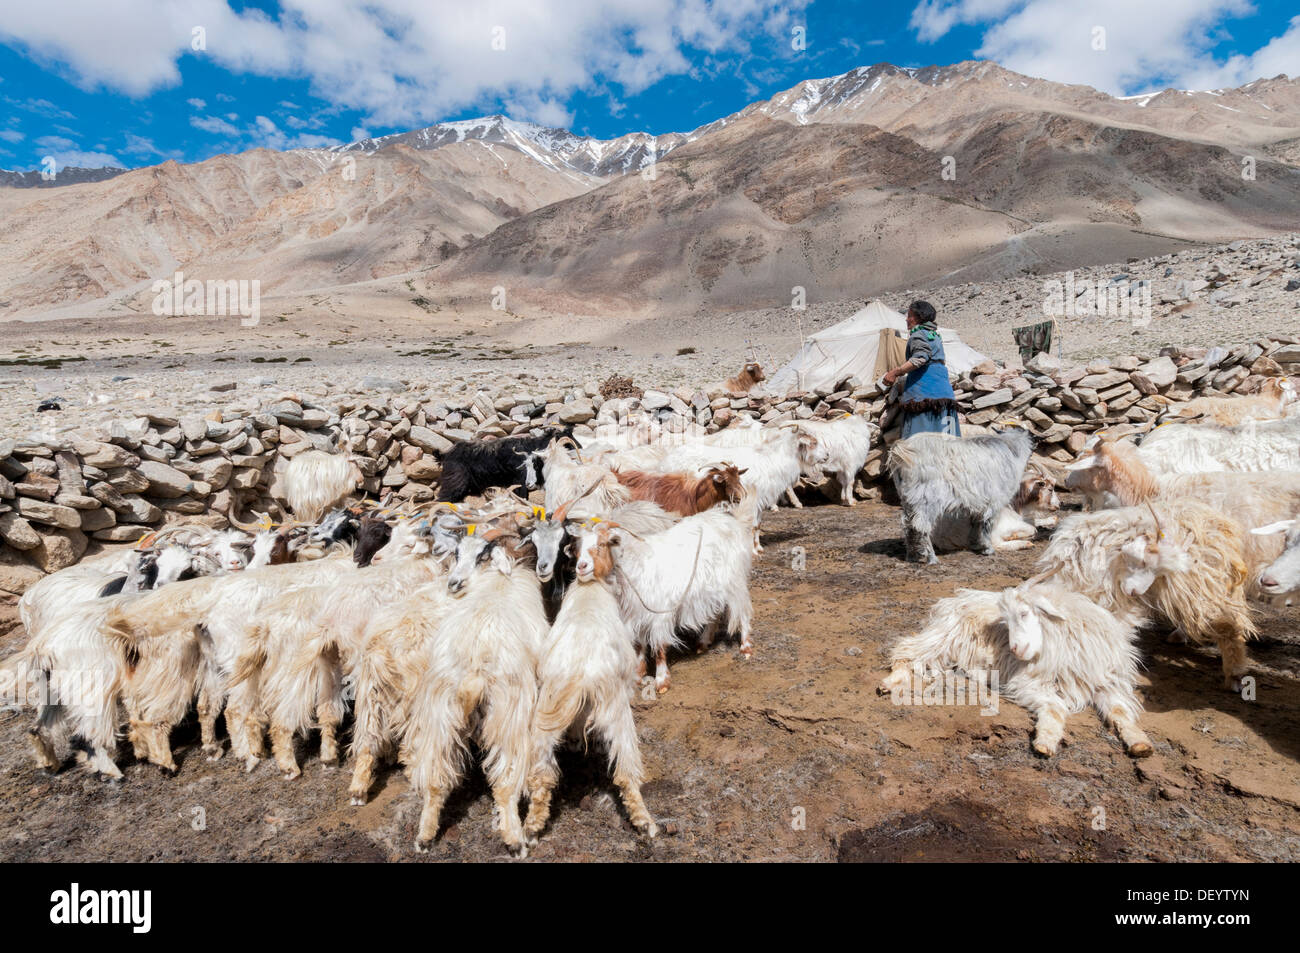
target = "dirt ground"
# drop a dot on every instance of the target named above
(788, 756)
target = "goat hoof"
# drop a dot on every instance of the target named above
(1140, 750)
(290, 775)
(1043, 750)
(651, 830)
(214, 752)
(1233, 684)
(357, 800)
(747, 652)
(250, 764)
(422, 846)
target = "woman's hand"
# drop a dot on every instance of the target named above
(893, 374)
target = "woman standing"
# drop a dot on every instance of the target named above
(928, 403)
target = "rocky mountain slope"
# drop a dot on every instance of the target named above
(876, 178)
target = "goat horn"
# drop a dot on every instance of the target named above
(246, 527)
(1160, 533)
(562, 513)
(1045, 574)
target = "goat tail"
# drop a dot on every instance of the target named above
(248, 665)
(15, 672)
(557, 709)
(470, 694)
(140, 619)
(901, 457)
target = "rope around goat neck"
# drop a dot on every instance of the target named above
(699, 543)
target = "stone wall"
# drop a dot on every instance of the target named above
(57, 496)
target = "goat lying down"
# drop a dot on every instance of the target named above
(1016, 526)
(1270, 403)
(1053, 651)
(970, 478)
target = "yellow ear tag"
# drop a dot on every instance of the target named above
(469, 530)
(265, 523)
(539, 512)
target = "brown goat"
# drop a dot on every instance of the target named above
(750, 375)
(682, 493)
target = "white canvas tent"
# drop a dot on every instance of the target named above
(851, 348)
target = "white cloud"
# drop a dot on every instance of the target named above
(1154, 43)
(52, 143)
(140, 146)
(358, 133)
(197, 103)
(214, 124)
(11, 135)
(399, 61)
(267, 134)
(64, 158)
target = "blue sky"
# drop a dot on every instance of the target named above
(95, 83)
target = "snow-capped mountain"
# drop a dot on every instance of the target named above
(557, 149)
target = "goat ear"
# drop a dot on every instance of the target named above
(742, 472)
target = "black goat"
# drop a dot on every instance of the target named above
(470, 468)
(372, 536)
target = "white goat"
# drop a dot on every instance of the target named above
(694, 576)
(587, 674)
(304, 639)
(847, 441)
(1181, 562)
(1202, 448)
(974, 478)
(315, 481)
(481, 661)
(1114, 473)
(1052, 650)
(1282, 576)
(384, 672)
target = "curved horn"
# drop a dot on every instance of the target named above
(1045, 574)
(562, 513)
(252, 528)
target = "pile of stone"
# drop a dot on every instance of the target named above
(59, 494)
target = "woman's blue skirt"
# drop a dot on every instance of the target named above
(934, 421)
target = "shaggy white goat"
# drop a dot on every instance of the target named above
(478, 679)
(1202, 448)
(847, 441)
(973, 478)
(1181, 562)
(693, 576)
(1052, 650)
(586, 674)
(315, 481)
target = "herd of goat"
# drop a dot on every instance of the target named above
(512, 624)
